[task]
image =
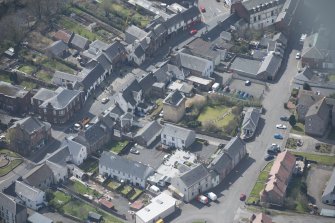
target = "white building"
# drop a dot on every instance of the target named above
(124, 170)
(177, 137)
(258, 13)
(78, 152)
(32, 197)
(160, 207)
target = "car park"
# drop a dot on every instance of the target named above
(281, 126)
(278, 136)
(134, 151)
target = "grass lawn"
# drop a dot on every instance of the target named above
(44, 76)
(320, 159)
(28, 69)
(116, 146)
(331, 77)
(113, 185)
(11, 166)
(159, 103)
(125, 190)
(28, 85)
(55, 65)
(90, 165)
(83, 189)
(5, 78)
(59, 199)
(137, 193)
(299, 128)
(77, 28)
(259, 185)
(80, 210)
(9, 153)
(215, 114)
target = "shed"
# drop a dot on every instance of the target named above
(94, 217)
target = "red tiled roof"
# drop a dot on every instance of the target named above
(62, 35)
(106, 203)
(137, 205)
(262, 218)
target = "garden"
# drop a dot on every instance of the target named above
(298, 128)
(254, 197)
(8, 161)
(328, 160)
(90, 165)
(82, 189)
(131, 193)
(116, 146)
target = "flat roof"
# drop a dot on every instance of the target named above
(199, 80)
(245, 65)
(158, 205)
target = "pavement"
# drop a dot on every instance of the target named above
(242, 178)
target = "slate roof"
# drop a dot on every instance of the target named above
(234, 146)
(270, 65)
(93, 134)
(316, 46)
(246, 66)
(90, 76)
(308, 98)
(305, 75)
(192, 62)
(38, 218)
(173, 130)
(79, 41)
(57, 47)
(133, 32)
(320, 109)
(65, 76)
(37, 175)
(202, 48)
(99, 45)
(104, 61)
(59, 99)
(162, 74)
(127, 93)
(139, 51)
(113, 50)
(250, 4)
(220, 162)
(149, 131)
(147, 81)
(116, 110)
(60, 156)
(119, 163)
(73, 146)
(330, 188)
(12, 91)
(194, 175)
(31, 124)
(190, 13)
(27, 191)
(251, 117)
(174, 98)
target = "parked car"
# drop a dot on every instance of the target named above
(202, 8)
(247, 83)
(298, 56)
(134, 151)
(202, 199)
(243, 197)
(104, 100)
(284, 118)
(278, 136)
(77, 127)
(281, 126)
(212, 196)
(268, 157)
(193, 31)
(274, 149)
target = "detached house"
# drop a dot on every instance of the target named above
(10, 211)
(279, 177)
(130, 97)
(77, 151)
(124, 170)
(177, 137)
(250, 122)
(174, 107)
(57, 106)
(193, 182)
(32, 197)
(28, 134)
(317, 119)
(328, 196)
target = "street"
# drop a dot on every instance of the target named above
(242, 178)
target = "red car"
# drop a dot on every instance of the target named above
(193, 31)
(243, 197)
(202, 9)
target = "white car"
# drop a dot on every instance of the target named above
(298, 56)
(104, 100)
(281, 126)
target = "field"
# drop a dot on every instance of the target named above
(218, 115)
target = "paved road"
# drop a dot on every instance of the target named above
(246, 173)
(19, 171)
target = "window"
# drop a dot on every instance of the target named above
(255, 19)
(183, 141)
(259, 17)
(164, 136)
(272, 13)
(172, 138)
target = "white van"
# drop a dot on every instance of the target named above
(212, 196)
(154, 189)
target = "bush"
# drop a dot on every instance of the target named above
(193, 124)
(285, 105)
